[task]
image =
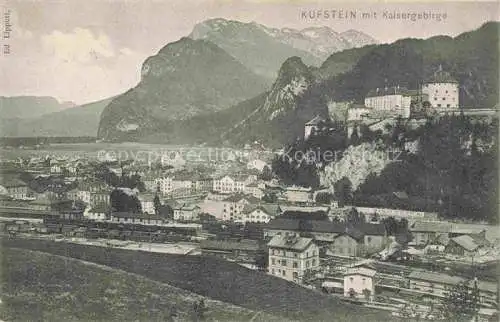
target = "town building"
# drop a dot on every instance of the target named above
(202, 184)
(151, 183)
(360, 240)
(323, 231)
(439, 285)
(97, 213)
(97, 198)
(147, 203)
(359, 282)
(56, 169)
(226, 184)
(358, 113)
(442, 90)
(232, 184)
(16, 189)
(240, 251)
(290, 257)
(164, 184)
(299, 194)
(186, 212)
(339, 237)
(463, 245)
(132, 218)
(261, 213)
(425, 232)
(255, 189)
(83, 195)
(227, 209)
(389, 102)
(41, 204)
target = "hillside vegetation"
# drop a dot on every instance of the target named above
(38, 286)
(216, 279)
(451, 167)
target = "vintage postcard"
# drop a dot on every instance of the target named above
(253, 160)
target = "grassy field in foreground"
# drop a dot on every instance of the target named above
(215, 279)
(37, 286)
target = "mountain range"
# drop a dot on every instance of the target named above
(263, 49)
(218, 86)
(30, 106)
(186, 78)
(81, 120)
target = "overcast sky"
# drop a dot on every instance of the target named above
(83, 51)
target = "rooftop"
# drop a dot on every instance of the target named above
(435, 277)
(270, 209)
(250, 245)
(290, 242)
(467, 242)
(133, 215)
(326, 226)
(394, 90)
(12, 183)
(431, 226)
(364, 271)
(316, 120)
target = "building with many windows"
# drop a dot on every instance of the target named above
(442, 90)
(290, 257)
(389, 102)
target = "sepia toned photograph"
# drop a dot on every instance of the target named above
(252, 160)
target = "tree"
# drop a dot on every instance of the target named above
(367, 294)
(391, 225)
(354, 217)
(172, 314)
(157, 204)
(343, 191)
(324, 198)
(270, 197)
(261, 260)
(462, 302)
(122, 201)
(267, 173)
(355, 140)
(199, 310)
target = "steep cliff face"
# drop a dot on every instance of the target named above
(356, 164)
(291, 102)
(186, 78)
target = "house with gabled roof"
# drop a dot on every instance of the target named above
(290, 257)
(463, 245)
(259, 213)
(359, 282)
(186, 212)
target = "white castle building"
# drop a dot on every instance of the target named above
(442, 90)
(391, 101)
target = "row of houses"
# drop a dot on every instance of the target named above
(363, 282)
(226, 184)
(454, 238)
(340, 238)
